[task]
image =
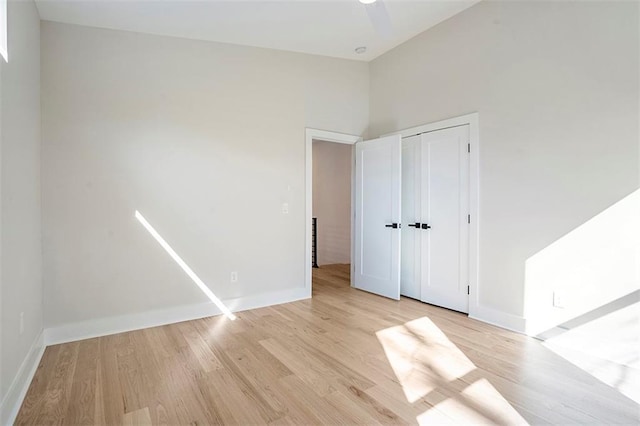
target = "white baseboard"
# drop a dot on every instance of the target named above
(20, 385)
(500, 319)
(112, 325)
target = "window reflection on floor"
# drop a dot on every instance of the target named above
(427, 364)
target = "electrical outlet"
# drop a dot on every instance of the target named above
(558, 300)
(21, 323)
(234, 277)
(285, 208)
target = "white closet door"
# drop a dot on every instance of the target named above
(410, 257)
(377, 221)
(445, 205)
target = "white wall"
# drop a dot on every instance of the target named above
(592, 265)
(205, 139)
(20, 259)
(332, 201)
(556, 88)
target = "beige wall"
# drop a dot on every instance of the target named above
(205, 139)
(332, 201)
(556, 88)
(20, 259)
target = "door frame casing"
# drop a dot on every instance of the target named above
(473, 121)
(327, 136)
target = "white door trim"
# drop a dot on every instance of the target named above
(324, 135)
(474, 194)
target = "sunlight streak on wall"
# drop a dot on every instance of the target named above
(592, 265)
(185, 267)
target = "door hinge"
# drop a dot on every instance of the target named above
(467, 289)
(468, 147)
(468, 218)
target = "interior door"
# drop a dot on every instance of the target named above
(445, 206)
(411, 233)
(377, 216)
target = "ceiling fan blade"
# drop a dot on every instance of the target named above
(379, 18)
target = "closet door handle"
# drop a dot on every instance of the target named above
(425, 226)
(392, 225)
(415, 225)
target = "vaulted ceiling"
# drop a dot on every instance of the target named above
(322, 27)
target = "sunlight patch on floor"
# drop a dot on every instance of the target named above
(608, 348)
(428, 364)
(422, 357)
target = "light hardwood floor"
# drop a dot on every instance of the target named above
(343, 357)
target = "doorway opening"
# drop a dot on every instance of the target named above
(331, 205)
(329, 201)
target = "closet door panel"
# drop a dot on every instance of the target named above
(444, 200)
(378, 216)
(410, 249)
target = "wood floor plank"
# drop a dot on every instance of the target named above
(206, 358)
(110, 389)
(82, 410)
(392, 396)
(180, 385)
(134, 383)
(152, 365)
(57, 393)
(300, 363)
(231, 394)
(343, 357)
(316, 406)
(99, 409)
(351, 410)
(377, 410)
(34, 399)
(261, 379)
(139, 417)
